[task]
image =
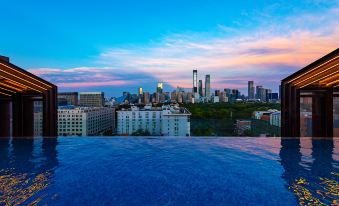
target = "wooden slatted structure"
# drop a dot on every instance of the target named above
(18, 90)
(319, 80)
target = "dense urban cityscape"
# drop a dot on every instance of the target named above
(161, 113)
(175, 103)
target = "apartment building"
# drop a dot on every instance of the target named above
(158, 121)
(68, 98)
(85, 121)
(92, 99)
(175, 121)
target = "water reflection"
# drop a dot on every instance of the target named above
(313, 182)
(27, 167)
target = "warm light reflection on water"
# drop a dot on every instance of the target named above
(323, 192)
(169, 171)
(16, 188)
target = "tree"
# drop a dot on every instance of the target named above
(141, 132)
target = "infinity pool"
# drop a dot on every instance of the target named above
(168, 171)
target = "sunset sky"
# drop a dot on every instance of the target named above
(120, 45)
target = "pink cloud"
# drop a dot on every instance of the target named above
(44, 71)
(94, 84)
(259, 54)
(265, 54)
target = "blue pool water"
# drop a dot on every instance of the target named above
(168, 171)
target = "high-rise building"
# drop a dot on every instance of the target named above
(217, 93)
(200, 89)
(180, 97)
(268, 93)
(223, 97)
(273, 97)
(68, 98)
(146, 98)
(140, 90)
(208, 86)
(228, 92)
(85, 121)
(92, 99)
(250, 90)
(235, 94)
(195, 81)
(160, 87)
(174, 96)
(260, 92)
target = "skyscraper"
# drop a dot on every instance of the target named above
(146, 97)
(200, 90)
(258, 91)
(208, 85)
(195, 83)
(250, 90)
(261, 93)
(140, 90)
(160, 87)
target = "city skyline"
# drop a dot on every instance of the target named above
(112, 52)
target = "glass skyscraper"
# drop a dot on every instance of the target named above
(250, 90)
(195, 81)
(207, 85)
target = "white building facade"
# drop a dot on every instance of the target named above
(175, 122)
(85, 121)
(165, 121)
(129, 121)
(275, 119)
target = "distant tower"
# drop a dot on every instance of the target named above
(146, 97)
(160, 87)
(250, 90)
(200, 90)
(208, 85)
(140, 90)
(195, 81)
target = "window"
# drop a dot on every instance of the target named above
(336, 116)
(305, 116)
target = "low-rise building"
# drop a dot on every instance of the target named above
(158, 121)
(266, 123)
(216, 99)
(275, 119)
(85, 121)
(37, 124)
(242, 126)
(38, 118)
(260, 114)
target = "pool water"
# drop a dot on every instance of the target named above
(168, 171)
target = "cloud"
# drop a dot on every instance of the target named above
(273, 51)
(88, 84)
(91, 77)
(266, 54)
(45, 71)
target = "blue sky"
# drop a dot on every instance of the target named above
(114, 46)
